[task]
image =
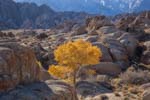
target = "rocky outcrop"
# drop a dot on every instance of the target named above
(86, 88)
(62, 90)
(134, 23)
(130, 44)
(118, 53)
(79, 30)
(106, 57)
(41, 91)
(146, 93)
(122, 23)
(117, 50)
(145, 59)
(107, 96)
(17, 65)
(107, 30)
(103, 68)
(22, 77)
(20, 69)
(36, 91)
(41, 36)
(97, 22)
(92, 39)
(121, 47)
(6, 35)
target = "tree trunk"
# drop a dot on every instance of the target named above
(74, 84)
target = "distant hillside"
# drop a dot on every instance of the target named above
(30, 15)
(106, 7)
(145, 5)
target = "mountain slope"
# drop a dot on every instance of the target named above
(30, 15)
(107, 7)
(69, 5)
(145, 4)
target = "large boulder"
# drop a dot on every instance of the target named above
(123, 64)
(145, 59)
(36, 91)
(43, 53)
(134, 23)
(114, 35)
(97, 22)
(92, 38)
(131, 44)
(79, 30)
(17, 65)
(146, 94)
(117, 50)
(41, 35)
(107, 30)
(62, 90)
(141, 21)
(44, 75)
(107, 68)
(41, 91)
(123, 23)
(145, 86)
(118, 53)
(106, 96)
(4, 35)
(103, 68)
(86, 88)
(106, 57)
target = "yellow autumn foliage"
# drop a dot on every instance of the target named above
(59, 71)
(71, 56)
(77, 53)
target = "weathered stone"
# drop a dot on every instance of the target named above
(123, 64)
(4, 35)
(106, 96)
(107, 68)
(97, 22)
(145, 86)
(86, 88)
(92, 32)
(146, 94)
(114, 35)
(44, 75)
(17, 66)
(62, 90)
(92, 38)
(145, 59)
(79, 30)
(131, 44)
(105, 52)
(41, 91)
(117, 50)
(41, 35)
(107, 30)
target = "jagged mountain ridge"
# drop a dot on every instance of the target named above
(107, 7)
(30, 15)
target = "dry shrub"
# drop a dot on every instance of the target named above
(137, 77)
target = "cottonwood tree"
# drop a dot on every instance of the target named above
(72, 56)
